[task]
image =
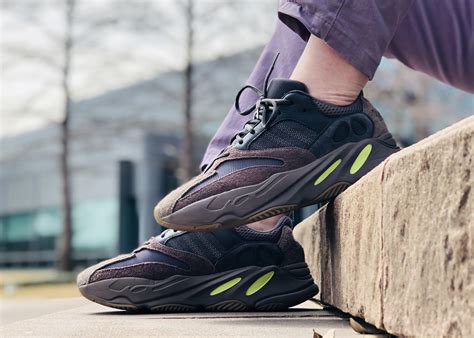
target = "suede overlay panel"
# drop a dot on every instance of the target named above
(84, 277)
(292, 158)
(380, 127)
(156, 270)
(166, 205)
(153, 271)
(188, 257)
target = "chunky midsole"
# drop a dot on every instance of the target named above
(291, 189)
(252, 286)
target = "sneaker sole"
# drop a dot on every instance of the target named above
(252, 288)
(314, 183)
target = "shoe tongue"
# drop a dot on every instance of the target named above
(279, 87)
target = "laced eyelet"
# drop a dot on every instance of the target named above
(264, 109)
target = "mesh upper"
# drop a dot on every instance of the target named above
(202, 244)
(330, 109)
(285, 134)
(292, 133)
(201, 253)
(251, 235)
(206, 244)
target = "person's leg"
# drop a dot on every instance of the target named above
(332, 79)
(436, 38)
(416, 34)
(356, 32)
(346, 41)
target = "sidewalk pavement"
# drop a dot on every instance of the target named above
(78, 317)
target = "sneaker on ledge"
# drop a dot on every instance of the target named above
(295, 151)
(225, 270)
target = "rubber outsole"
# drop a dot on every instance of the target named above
(288, 286)
(282, 192)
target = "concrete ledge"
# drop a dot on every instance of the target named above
(396, 248)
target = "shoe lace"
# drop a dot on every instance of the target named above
(265, 109)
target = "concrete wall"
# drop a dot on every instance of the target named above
(396, 248)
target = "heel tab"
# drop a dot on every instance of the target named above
(380, 127)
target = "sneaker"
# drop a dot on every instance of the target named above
(296, 151)
(226, 270)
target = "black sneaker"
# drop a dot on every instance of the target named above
(296, 151)
(226, 270)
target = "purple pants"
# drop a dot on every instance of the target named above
(435, 37)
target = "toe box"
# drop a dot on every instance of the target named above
(84, 277)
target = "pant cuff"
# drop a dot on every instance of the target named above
(304, 23)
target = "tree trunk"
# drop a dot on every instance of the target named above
(64, 245)
(186, 159)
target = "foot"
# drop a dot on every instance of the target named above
(296, 151)
(225, 270)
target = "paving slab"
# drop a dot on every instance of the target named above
(77, 317)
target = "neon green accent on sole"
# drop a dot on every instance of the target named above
(361, 158)
(259, 283)
(226, 286)
(327, 172)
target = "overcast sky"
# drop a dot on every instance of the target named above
(140, 39)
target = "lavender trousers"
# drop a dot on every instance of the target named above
(435, 37)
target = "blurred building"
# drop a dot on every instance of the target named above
(140, 124)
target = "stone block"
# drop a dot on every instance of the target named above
(396, 248)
